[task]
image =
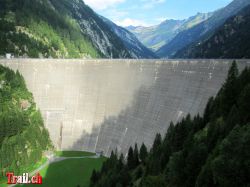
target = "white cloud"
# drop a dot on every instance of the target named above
(102, 4)
(128, 22)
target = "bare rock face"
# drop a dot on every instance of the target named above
(103, 105)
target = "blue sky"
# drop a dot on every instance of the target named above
(152, 12)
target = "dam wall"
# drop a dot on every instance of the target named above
(103, 105)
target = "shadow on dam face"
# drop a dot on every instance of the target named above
(103, 105)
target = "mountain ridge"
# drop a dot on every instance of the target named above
(229, 41)
(157, 36)
(202, 30)
(134, 46)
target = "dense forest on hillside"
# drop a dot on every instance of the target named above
(231, 40)
(209, 150)
(23, 137)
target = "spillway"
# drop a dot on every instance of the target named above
(103, 105)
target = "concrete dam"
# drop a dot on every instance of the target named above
(103, 105)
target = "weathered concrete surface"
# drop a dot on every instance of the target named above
(100, 105)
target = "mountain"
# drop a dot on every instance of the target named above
(131, 27)
(195, 20)
(157, 36)
(232, 40)
(134, 46)
(202, 30)
(53, 28)
(200, 151)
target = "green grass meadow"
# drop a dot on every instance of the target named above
(70, 172)
(73, 153)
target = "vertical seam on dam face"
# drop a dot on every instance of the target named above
(102, 105)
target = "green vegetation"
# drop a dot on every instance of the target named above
(73, 153)
(212, 150)
(23, 137)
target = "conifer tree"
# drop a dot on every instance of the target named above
(130, 159)
(156, 144)
(136, 156)
(143, 153)
(121, 162)
(94, 177)
(230, 90)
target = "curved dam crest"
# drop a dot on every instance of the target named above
(103, 105)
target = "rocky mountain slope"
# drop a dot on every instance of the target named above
(202, 30)
(155, 37)
(135, 47)
(53, 28)
(232, 40)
